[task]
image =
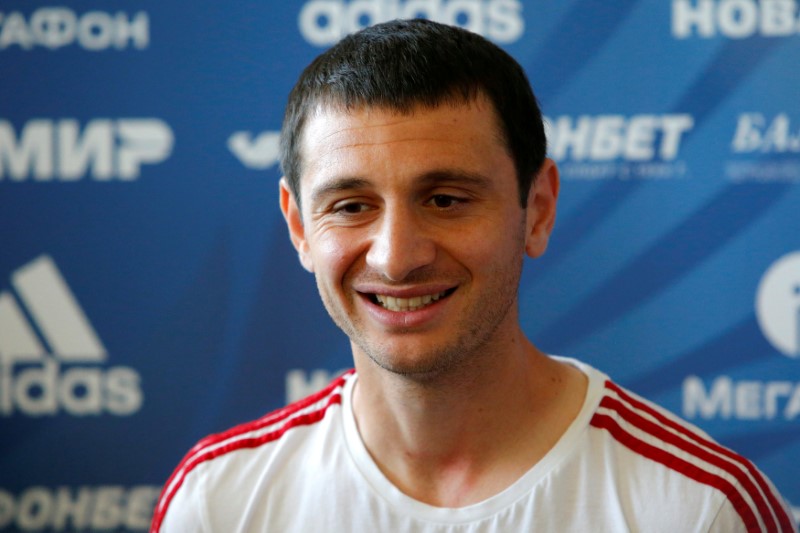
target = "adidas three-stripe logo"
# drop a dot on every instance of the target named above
(51, 358)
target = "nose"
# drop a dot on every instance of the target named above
(400, 245)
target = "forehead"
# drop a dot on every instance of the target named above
(375, 139)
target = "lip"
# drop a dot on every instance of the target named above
(407, 318)
(404, 292)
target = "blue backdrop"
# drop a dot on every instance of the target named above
(149, 294)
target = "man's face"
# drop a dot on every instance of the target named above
(413, 228)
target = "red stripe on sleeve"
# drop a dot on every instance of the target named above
(693, 449)
(680, 465)
(778, 509)
(197, 456)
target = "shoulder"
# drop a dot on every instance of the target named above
(220, 450)
(687, 458)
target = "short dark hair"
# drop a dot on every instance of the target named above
(401, 64)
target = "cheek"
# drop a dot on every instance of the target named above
(501, 248)
(334, 254)
(494, 237)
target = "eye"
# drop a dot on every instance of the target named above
(444, 201)
(350, 207)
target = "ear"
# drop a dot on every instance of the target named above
(541, 208)
(291, 213)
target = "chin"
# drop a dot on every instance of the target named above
(416, 366)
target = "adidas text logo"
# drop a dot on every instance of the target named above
(55, 361)
(323, 22)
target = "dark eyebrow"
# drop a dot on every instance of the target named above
(455, 177)
(429, 179)
(337, 185)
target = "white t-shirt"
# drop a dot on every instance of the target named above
(623, 465)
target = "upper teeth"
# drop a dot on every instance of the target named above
(407, 304)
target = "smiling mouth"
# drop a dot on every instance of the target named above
(393, 303)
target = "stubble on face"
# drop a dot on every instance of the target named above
(479, 251)
(471, 342)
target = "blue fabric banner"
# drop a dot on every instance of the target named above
(149, 294)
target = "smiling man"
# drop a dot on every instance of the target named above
(415, 185)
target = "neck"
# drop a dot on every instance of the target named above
(461, 436)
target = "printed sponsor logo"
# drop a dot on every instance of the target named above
(57, 27)
(734, 19)
(615, 146)
(778, 313)
(55, 361)
(260, 153)
(107, 149)
(757, 135)
(324, 22)
(725, 398)
(300, 383)
(778, 305)
(78, 508)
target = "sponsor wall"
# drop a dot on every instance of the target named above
(149, 294)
